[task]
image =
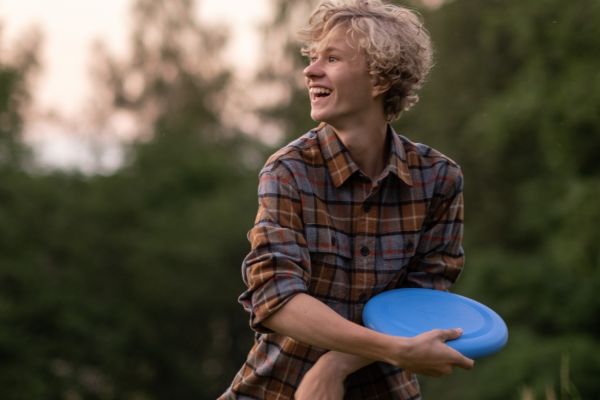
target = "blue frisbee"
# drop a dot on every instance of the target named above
(410, 312)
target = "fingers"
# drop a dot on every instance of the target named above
(465, 363)
(461, 361)
(431, 356)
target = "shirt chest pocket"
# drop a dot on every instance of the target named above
(327, 240)
(398, 245)
(330, 259)
(396, 252)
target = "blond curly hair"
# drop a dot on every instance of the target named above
(396, 45)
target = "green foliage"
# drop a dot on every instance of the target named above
(15, 74)
(125, 286)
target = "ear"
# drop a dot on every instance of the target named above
(380, 87)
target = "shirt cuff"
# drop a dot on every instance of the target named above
(270, 297)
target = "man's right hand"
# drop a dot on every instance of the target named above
(427, 354)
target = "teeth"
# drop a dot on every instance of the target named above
(317, 90)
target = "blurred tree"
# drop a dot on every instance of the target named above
(511, 99)
(174, 76)
(125, 286)
(17, 65)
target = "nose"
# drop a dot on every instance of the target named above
(313, 70)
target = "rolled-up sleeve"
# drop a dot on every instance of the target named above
(278, 265)
(440, 257)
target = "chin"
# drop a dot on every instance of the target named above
(320, 116)
(317, 116)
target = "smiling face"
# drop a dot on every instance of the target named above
(340, 86)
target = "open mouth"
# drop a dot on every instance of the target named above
(319, 93)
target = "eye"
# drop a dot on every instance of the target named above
(332, 59)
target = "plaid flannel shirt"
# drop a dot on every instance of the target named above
(324, 230)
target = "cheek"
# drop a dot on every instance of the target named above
(359, 82)
(357, 92)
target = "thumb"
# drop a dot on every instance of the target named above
(451, 334)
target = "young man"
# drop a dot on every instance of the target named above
(348, 211)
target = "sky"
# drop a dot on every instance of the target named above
(69, 27)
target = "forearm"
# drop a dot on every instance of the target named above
(344, 363)
(308, 320)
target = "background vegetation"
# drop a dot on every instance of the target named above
(124, 286)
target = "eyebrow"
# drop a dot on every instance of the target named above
(327, 49)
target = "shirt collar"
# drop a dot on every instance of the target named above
(398, 162)
(341, 166)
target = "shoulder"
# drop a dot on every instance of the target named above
(418, 153)
(292, 158)
(427, 164)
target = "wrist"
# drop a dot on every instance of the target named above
(341, 364)
(397, 351)
(335, 364)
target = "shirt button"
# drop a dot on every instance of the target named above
(333, 240)
(365, 251)
(362, 298)
(410, 246)
(367, 208)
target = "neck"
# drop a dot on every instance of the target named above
(366, 142)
